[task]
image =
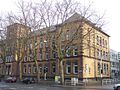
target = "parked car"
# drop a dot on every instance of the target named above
(28, 80)
(117, 85)
(10, 80)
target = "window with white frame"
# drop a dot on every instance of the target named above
(100, 41)
(75, 51)
(68, 52)
(68, 68)
(41, 44)
(97, 53)
(105, 68)
(40, 69)
(103, 54)
(53, 67)
(47, 56)
(40, 56)
(54, 54)
(75, 68)
(29, 68)
(25, 69)
(35, 43)
(97, 40)
(106, 55)
(30, 45)
(103, 43)
(46, 43)
(99, 68)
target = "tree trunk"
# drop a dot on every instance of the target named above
(38, 73)
(62, 72)
(20, 65)
(4, 71)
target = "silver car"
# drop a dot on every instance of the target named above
(117, 85)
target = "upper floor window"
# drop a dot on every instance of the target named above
(41, 43)
(40, 56)
(106, 43)
(35, 43)
(100, 41)
(30, 45)
(68, 52)
(97, 40)
(103, 42)
(47, 56)
(75, 51)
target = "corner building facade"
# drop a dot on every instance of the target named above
(85, 57)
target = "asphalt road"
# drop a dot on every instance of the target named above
(21, 86)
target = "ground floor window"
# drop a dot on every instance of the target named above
(29, 68)
(75, 68)
(68, 68)
(25, 69)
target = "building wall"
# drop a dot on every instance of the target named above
(114, 64)
(84, 64)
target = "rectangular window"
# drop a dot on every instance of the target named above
(53, 67)
(31, 46)
(47, 56)
(106, 55)
(46, 43)
(25, 69)
(41, 44)
(75, 51)
(99, 68)
(54, 55)
(68, 68)
(75, 68)
(103, 54)
(29, 68)
(68, 52)
(97, 40)
(97, 53)
(40, 69)
(40, 56)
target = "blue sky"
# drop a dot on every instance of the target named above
(110, 7)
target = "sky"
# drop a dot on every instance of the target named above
(109, 7)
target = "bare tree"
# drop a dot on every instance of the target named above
(57, 16)
(55, 19)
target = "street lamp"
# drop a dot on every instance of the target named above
(45, 69)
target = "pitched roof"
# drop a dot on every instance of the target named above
(74, 17)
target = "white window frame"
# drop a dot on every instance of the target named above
(74, 68)
(68, 66)
(74, 51)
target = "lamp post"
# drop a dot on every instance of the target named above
(45, 69)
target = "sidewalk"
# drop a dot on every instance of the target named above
(100, 87)
(107, 87)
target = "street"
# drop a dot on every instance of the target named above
(21, 86)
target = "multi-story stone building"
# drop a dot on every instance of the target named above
(83, 47)
(115, 70)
